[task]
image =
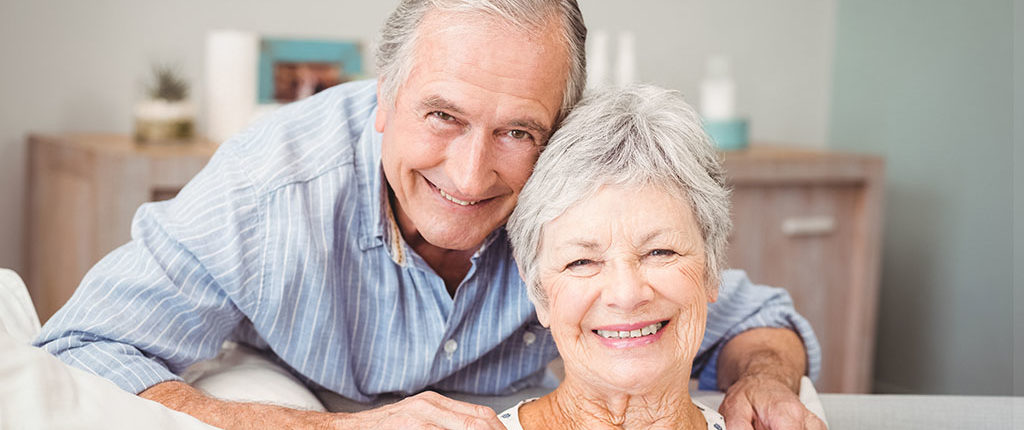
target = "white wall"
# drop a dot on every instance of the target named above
(78, 65)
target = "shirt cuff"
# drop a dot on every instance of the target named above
(122, 364)
(776, 317)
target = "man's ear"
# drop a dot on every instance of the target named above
(383, 110)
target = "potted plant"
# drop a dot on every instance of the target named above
(166, 115)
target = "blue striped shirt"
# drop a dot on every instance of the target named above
(286, 241)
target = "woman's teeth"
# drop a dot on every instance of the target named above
(455, 200)
(622, 334)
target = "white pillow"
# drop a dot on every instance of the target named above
(17, 316)
(38, 391)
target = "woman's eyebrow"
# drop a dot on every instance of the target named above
(647, 238)
(580, 243)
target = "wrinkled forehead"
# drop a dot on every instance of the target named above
(632, 214)
(481, 67)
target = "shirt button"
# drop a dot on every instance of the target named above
(450, 346)
(529, 338)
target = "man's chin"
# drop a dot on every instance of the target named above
(456, 240)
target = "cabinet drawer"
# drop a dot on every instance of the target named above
(802, 237)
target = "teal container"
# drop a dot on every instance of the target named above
(729, 134)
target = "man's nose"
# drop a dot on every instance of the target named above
(469, 163)
(626, 288)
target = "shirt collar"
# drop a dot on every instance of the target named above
(372, 192)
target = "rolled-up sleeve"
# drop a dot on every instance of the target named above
(168, 298)
(741, 306)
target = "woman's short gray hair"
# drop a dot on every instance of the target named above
(637, 135)
(397, 42)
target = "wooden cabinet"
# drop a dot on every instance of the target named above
(810, 221)
(83, 191)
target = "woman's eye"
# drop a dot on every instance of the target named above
(583, 267)
(579, 263)
(662, 252)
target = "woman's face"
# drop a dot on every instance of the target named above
(624, 274)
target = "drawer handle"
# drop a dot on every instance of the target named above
(808, 226)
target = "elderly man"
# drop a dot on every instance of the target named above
(358, 237)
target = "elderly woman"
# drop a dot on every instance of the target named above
(620, 234)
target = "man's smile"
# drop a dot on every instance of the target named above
(460, 200)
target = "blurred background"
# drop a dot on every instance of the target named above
(933, 87)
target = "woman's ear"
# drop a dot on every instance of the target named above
(711, 290)
(711, 287)
(542, 316)
(383, 110)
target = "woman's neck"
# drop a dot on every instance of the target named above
(569, 407)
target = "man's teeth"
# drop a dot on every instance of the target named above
(455, 200)
(646, 331)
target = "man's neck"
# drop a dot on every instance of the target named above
(451, 265)
(571, 406)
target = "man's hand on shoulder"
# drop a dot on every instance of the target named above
(424, 410)
(760, 370)
(761, 402)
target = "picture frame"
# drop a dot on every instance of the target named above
(292, 69)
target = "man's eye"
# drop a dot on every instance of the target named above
(519, 134)
(442, 116)
(662, 252)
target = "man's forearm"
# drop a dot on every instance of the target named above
(232, 415)
(773, 353)
(424, 410)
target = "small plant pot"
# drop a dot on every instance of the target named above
(159, 121)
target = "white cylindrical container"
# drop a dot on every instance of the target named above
(231, 68)
(597, 59)
(718, 91)
(625, 61)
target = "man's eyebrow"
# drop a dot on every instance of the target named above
(433, 103)
(531, 124)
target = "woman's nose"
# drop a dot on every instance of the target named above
(626, 288)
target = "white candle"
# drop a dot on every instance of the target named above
(718, 91)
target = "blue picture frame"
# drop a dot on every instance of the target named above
(346, 55)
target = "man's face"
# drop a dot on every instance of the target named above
(467, 125)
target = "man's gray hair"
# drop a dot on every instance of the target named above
(397, 43)
(638, 135)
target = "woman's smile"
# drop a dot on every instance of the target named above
(631, 335)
